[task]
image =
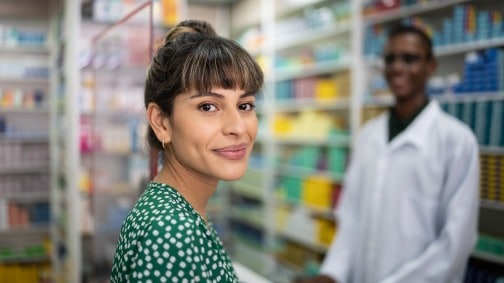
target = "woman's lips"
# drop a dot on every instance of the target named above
(232, 152)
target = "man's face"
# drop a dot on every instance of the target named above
(407, 66)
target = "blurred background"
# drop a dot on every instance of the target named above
(73, 157)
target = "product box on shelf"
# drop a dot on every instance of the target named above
(496, 130)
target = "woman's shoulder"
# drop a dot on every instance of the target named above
(162, 199)
(160, 206)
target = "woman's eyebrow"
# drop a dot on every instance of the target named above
(247, 94)
(203, 94)
(218, 95)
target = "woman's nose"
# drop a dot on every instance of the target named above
(234, 123)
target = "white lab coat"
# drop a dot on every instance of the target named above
(409, 207)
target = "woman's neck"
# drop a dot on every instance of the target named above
(196, 189)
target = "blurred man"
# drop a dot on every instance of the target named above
(410, 201)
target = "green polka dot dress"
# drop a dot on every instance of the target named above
(164, 239)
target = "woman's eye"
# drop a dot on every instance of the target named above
(207, 107)
(247, 106)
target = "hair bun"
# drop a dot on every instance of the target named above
(199, 26)
(190, 26)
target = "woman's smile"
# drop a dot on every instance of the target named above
(233, 152)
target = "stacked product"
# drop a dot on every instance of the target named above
(492, 177)
(466, 25)
(483, 117)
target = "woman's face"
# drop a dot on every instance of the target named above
(212, 134)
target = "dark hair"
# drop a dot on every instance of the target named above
(190, 26)
(192, 58)
(411, 29)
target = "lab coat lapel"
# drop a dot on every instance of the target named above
(417, 133)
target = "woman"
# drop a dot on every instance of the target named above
(200, 95)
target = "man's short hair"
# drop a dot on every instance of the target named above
(411, 29)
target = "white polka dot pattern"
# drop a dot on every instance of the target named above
(164, 239)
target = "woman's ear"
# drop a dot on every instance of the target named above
(159, 122)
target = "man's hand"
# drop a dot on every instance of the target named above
(315, 279)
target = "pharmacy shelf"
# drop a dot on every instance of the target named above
(24, 81)
(313, 246)
(31, 140)
(247, 190)
(320, 68)
(399, 13)
(25, 259)
(114, 153)
(454, 49)
(296, 105)
(24, 50)
(242, 239)
(388, 100)
(488, 257)
(476, 96)
(320, 212)
(105, 23)
(120, 188)
(293, 270)
(287, 271)
(30, 230)
(26, 111)
(114, 114)
(247, 275)
(492, 149)
(301, 172)
(448, 50)
(25, 169)
(250, 253)
(40, 136)
(113, 74)
(312, 35)
(492, 204)
(328, 142)
(250, 219)
(26, 198)
(290, 7)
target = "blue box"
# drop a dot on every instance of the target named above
(496, 137)
(481, 123)
(467, 113)
(451, 108)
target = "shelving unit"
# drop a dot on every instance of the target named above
(413, 9)
(35, 145)
(114, 165)
(489, 257)
(267, 38)
(454, 49)
(64, 141)
(24, 142)
(281, 156)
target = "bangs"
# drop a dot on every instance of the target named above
(219, 63)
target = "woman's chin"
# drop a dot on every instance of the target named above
(233, 175)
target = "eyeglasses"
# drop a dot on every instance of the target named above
(407, 58)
